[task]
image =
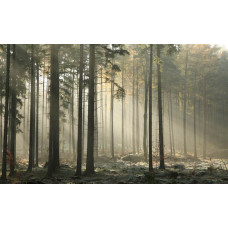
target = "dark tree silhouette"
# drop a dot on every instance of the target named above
(161, 144)
(150, 109)
(79, 156)
(90, 141)
(32, 114)
(6, 114)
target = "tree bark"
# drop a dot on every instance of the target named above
(161, 146)
(123, 142)
(13, 115)
(194, 104)
(79, 155)
(150, 109)
(72, 120)
(37, 113)
(204, 118)
(145, 149)
(32, 114)
(137, 110)
(133, 107)
(111, 117)
(53, 162)
(42, 131)
(6, 113)
(185, 92)
(90, 141)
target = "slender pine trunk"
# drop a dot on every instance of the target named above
(6, 113)
(95, 119)
(171, 116)
(204, 118)
(185, 92)
(161, 145)
(170, 129)
(1, 133)
(72, 120)
(32, 114)
(13, 115)
(102, 114)
(83, 119)
(150, 109)
(90, 141)
(133, 107)
(80, 142)
(194, 106)
(53, 162)
(37, 114)
(123, 142)
(42, 131)
(137, 110)
(111, 118)
(145, 148)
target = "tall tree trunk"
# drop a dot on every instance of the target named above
(123, 143)
(6, 113)
(170, 128)
(95, 118)
(185, 92)
(133, 107)
(13, 115)
(111, 117)
(194, 104)
(42, 131)
(24, 133)
(28, 116)
(70, 130)
(83, 119)
(105, 130)
(47, 108)
(145, 149)
(199, 121)
(90, 141)
(79, 155)
(72, 119)
(171, 116)
(102, 113)
(204, 118)
(63, 137)
(150, 109)
(37, 113)
(53, 162)
(32, 114)
(137, 110)
(1, 133)
(161, 146)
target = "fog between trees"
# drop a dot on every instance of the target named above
(76, 104)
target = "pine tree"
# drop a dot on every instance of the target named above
(90, 141)
(6, 113)
(32, 114)
(80, 142)
(150, 109)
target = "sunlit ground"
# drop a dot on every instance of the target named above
(130, 169)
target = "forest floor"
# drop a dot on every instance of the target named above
(129, 169)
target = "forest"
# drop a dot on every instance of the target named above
(113, 113)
